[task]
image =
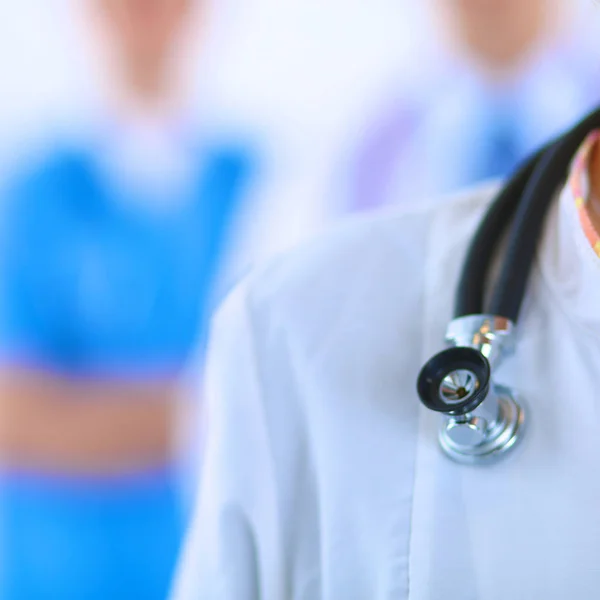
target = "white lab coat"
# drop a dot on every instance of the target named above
(324, 480)
(273, 217)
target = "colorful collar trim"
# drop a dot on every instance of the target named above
(580, 188)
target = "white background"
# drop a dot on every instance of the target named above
(278, 62)
(304, 70)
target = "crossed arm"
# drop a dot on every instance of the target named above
(53, 423)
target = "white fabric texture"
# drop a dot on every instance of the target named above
(324, 480)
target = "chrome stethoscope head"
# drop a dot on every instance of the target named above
(481, 421)
(455, 381)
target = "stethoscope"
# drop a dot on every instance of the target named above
(483, 421)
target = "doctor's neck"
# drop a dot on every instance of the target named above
(143, 44)
(594, 201)
(501, 37)
(142, 88)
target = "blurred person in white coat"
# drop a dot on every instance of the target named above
(506, 76)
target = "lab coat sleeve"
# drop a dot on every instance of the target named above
(232, 552)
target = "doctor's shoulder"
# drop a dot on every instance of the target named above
(355, 271)
(312, 363)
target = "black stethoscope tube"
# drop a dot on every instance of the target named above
(484, 421)
(522, 205)
(471, 287)
(525, 233)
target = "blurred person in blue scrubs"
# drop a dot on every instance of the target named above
(109, 246)
(510, 75)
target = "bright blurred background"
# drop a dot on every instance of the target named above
(283, 116)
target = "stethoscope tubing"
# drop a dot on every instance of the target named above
(519, 209)
(471, 287)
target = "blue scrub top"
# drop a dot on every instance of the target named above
(94, 285)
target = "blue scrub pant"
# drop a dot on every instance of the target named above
(92, 544)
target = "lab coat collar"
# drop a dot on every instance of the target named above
(570, 267)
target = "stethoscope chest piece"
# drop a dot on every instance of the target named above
(473, 439)
(481, 421)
